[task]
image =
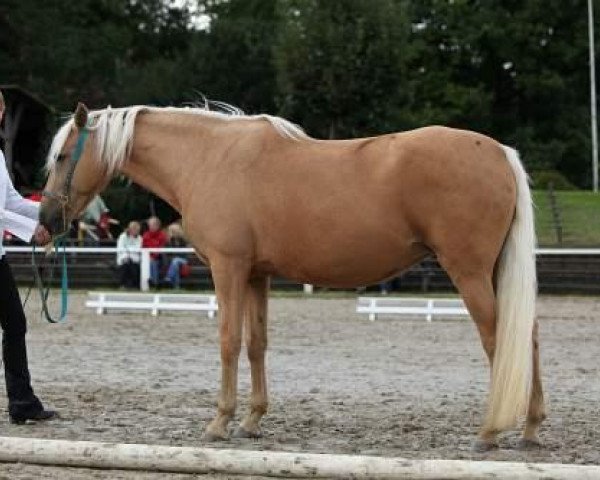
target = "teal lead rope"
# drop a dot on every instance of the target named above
(64, 284)
(64, 198)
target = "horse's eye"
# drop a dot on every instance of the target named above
(60, 157)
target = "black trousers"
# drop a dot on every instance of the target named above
(21, 399)
(129, 274)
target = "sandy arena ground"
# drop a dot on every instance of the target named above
(338, 383)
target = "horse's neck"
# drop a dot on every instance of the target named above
(163, 153)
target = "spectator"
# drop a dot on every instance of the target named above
(154, 237)
(177, 262)
(95, 223)
(128, 256)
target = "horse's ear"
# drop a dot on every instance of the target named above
(81, 115)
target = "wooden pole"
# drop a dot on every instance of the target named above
(273, 464)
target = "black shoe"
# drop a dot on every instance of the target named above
(34, 417)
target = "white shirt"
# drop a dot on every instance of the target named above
(128, 248)
(17, 214)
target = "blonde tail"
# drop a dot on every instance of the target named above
(516, 289)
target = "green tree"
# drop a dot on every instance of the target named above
(341, 66)
(231, 60)
(514, 69)
(97, 51)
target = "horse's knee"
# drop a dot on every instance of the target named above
(230, 350)
(256, 340)
(256, 349)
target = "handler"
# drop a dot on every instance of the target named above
(20, 217)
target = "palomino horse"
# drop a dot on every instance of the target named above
(259, 197)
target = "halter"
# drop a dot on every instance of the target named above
(65, 197)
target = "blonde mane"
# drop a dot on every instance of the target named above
(114, 129)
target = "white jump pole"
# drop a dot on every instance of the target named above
(275, 464)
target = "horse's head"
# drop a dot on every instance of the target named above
(74, 174)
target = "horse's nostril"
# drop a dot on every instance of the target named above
(47, 227)
(48, 220)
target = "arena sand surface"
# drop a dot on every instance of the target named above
(338, 383)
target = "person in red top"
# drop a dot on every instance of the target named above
(154, 237)
(35, 197)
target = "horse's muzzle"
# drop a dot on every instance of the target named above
(52, 219)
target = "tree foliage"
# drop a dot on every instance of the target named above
(516, 70)
(342, 66)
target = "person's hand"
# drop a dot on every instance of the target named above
(41, 235)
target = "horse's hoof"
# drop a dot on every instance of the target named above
(482, 446)
(529, 444)
(241, 432)
(213, 437)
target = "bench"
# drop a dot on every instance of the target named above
(154, 302)
(429, 307)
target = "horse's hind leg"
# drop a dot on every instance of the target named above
(255, 333)
(230, 277)
(478, 293)
(536, 412)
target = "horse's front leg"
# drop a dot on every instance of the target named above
(255, 333)
(230, 278)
